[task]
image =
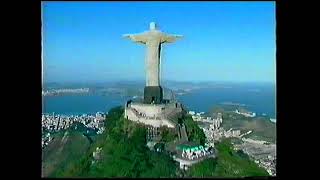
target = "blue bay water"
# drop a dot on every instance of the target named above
(257, 99)
(80, 104)
(262, 102)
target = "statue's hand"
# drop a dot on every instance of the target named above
(178, 36)
(126, 35)
(170, 38)
(139, 38)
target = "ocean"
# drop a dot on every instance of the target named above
(261, 102)
(259, 99)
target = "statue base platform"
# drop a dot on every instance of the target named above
(155, 115)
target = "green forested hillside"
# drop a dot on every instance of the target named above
(66, 147)
(262, 128)
(195, 134)
(124, 154)
(229, 163)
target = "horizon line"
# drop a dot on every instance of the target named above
(164, 81)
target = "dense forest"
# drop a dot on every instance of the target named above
(195, 134)
(229, 163)
(125, 154)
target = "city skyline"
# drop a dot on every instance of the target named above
(223, 41)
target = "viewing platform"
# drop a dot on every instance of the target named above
(189, 155)
(156, 115)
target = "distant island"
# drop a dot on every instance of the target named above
(233, 104)
(57, 92)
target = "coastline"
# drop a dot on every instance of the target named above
(200, 100)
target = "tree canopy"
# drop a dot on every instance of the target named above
(195, 134)
(125, 154)
(229, 163)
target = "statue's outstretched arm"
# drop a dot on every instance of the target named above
(170, 38)
(139, 38)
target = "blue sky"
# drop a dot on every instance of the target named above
(223, 41)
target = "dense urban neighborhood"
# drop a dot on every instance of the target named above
(54, 123)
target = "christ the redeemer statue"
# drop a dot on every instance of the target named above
(153, 40)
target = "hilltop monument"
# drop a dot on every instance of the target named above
(154, 110)
(153, 39)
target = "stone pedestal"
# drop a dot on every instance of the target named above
(153, 94)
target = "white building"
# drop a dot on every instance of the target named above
(192, 112)
(246, 114)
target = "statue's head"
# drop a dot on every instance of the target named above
(153, 26)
